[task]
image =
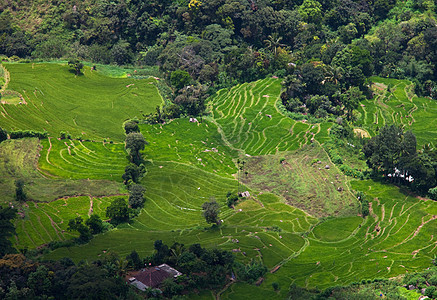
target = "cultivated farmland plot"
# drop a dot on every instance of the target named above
(399, 106)
(279, 224)
(91, 105)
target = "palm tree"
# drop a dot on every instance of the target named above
(333, 74)
(273, 42)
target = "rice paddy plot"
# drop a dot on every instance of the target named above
(249, 120)
(197, 144)
(48, 221)
(175, 193)
(396, 103)
(91, 105)
(305, 178)
(398, 236)
(75, 159)
(172, 212)
(19, 160)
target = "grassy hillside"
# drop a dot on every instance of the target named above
(91, 105)
(190, 163)
(302, 179)
(19, 160)
(251, 122)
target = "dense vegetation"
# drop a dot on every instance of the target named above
(321, 112)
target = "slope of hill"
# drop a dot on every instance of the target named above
(398, 235)
(90, 106)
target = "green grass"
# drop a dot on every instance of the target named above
(399, 106)
(182, 174)
(302, 184)
(197, 144)
(74, 159)
(249, 120)
(47, 222)
(90, 105)
(19, 160)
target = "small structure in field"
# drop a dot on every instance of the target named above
(193, 120)
(153, 277)
(245, 194)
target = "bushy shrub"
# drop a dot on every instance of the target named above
(19, 134)
(250, 272)
(365, 208)
(433, 193)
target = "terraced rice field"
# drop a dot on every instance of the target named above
(172, 212)
(74, 159)
(196, 144)
(400, 236)
(399, 106)
(47, 222)
(190, 163)
(250, 121)
(91, 105)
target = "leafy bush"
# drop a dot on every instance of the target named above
(433, 193)
(19, 134)
(365, 208)
(250, 272)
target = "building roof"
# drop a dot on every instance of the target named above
(154, 276)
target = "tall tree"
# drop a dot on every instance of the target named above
(134, 143)
(118, 211)
(351, 99)
(136, 195)
(211, 211)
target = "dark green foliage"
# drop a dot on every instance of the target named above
(275, 286)
(134, 260)
(3, 135)
(40, 281)
(64, 135)
(171, 288)
(93, 282)
(95, 224)
(132, 173)
(250, 272)
(161, 115)
(118, 211)
(433, 193)
(19, 134)
(131, 126)
(136, 195)
(180, 79)
(364, 208)
(7, 229)
(76, 65)
(134, 143)
(77, 225)
(192, 100)
(210, 212)
(231, 199)
(393, 153)
(20, 193)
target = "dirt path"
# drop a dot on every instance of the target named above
(48, 151)
(87, 195)
(91, 206)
